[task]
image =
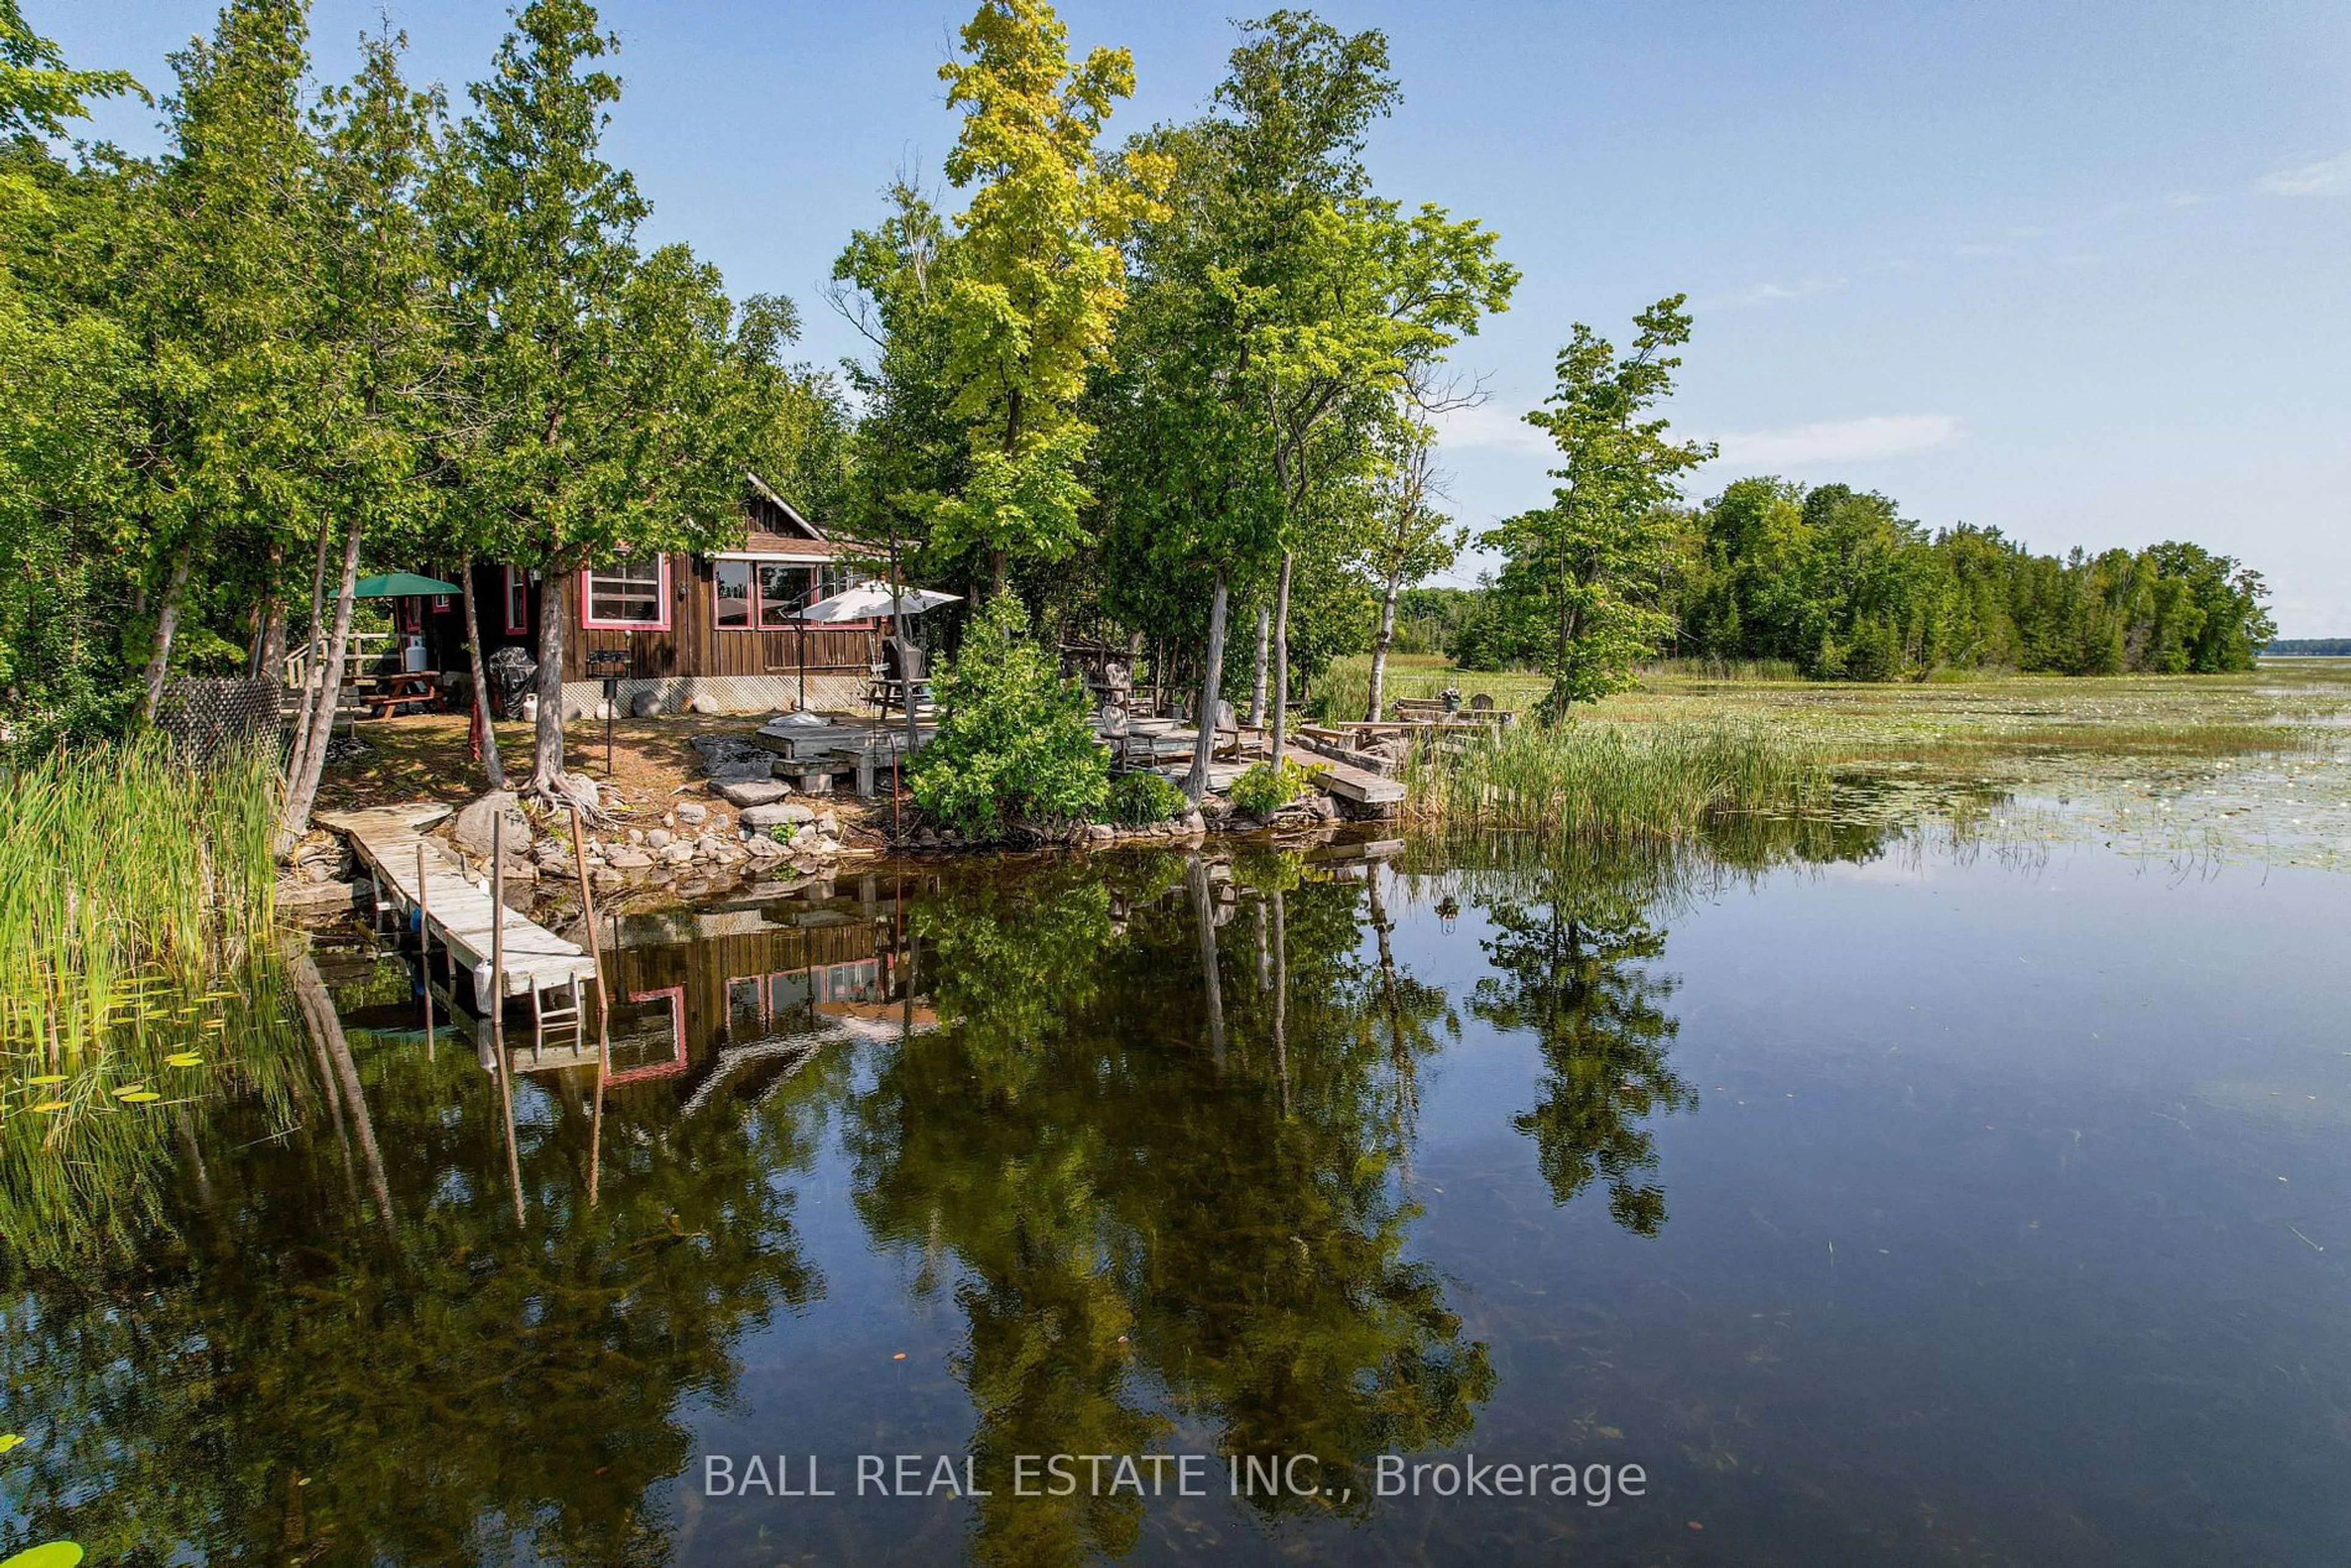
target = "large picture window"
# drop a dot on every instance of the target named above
(631, 596)
(764, 595)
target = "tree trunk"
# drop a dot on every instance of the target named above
(167, 626)
(1212, 680)
(269, 618)
(999, 571)
(302, 788)
(1380, 651)
(1203, 894)
(546, 751)
(1282, 661)
(491, 766)
(310, 654)
(1257, 684)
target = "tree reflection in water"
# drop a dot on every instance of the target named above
(293, 1374)
(1180, 1206)
(1156, 1151)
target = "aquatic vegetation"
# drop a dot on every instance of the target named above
(1616, 781)
(129, 882)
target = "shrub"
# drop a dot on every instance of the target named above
(1014, 743)
(1139, 800)
(1261, 791)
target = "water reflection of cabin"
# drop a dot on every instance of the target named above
(707, 626)
(733, 998)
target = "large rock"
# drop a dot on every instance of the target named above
(763, 848)
(645, 705)
(691, 814)
(752, 792)
(474, 824)
(623, 858)
(759, 819)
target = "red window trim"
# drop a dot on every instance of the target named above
(507, 586)
(670, 1069)
(593, 625)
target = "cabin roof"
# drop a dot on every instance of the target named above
(789, 514)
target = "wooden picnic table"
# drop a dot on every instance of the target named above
(420, 689)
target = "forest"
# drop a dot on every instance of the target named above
(1179, 389)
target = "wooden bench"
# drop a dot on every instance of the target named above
(1420, 710)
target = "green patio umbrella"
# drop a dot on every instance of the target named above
(400, 585)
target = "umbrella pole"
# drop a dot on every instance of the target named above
(814, 583)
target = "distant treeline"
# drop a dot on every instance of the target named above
(1837, 582)
(2311, 647)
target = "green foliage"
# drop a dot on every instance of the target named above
(1263, 790)
(1591, 567)
(1042, 279)
(1139, 800)
(1016, 742)
(1840, 584)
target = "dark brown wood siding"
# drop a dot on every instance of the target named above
(694, 645)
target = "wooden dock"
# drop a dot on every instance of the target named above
(537, 961)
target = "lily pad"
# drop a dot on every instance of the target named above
(125, 1092)
(52, 1106)
(184, 1059)
(139, 1097)
(10, 1440)
(49, 1554)
(47, 1078)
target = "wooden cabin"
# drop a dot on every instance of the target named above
(707, 633)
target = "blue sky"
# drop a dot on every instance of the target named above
(2079, 271)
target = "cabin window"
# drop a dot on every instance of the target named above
(631, 596)
(518, 596)
(765, 595)
(783, 593)
(733, 586)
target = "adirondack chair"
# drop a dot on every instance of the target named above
(1226, 740)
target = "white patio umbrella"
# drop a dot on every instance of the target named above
(866, 601)
(871, 600)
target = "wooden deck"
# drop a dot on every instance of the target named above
(537, 961)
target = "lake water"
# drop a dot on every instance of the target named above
(1878, 1199)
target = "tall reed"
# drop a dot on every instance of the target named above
(125, 874)
(1617, 781)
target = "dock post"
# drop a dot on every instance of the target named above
(424, 943)
(498, 930)
(588, 912)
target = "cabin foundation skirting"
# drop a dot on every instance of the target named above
(827, 689)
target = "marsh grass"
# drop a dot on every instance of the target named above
(1619, 782)
(127, 880)
(137, 970)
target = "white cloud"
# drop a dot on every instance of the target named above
(1770, 294)
(1838, 440)
(2319, 177)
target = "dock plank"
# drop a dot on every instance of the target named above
(464, 920)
